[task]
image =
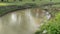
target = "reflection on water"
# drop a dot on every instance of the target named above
(22, 21)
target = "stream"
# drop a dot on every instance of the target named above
(23, 21)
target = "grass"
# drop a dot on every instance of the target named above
(6, 4)
(38, 2)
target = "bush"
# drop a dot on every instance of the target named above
(51, 27)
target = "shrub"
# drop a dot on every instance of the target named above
(51, 27)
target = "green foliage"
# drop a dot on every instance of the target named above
(51, 27)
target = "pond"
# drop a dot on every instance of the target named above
(23, 21)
